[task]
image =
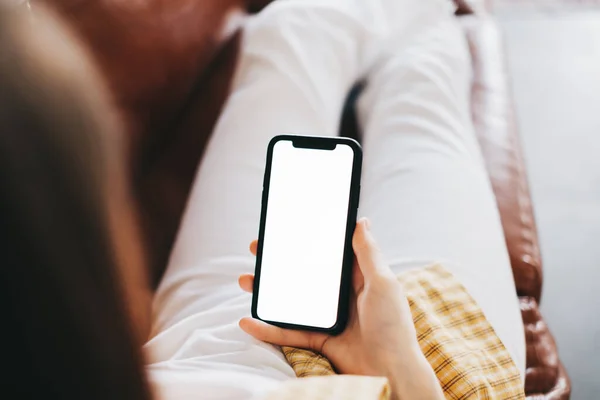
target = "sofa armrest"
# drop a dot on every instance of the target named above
(495, 125)
(494, 121)
(545, 376)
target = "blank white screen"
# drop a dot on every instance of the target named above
(304, 235)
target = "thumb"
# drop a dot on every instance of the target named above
(367, 253)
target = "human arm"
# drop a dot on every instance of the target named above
(380, 339)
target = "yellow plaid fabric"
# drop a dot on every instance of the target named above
(467, 356)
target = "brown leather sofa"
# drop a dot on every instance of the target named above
(169, 66)
(495, 123)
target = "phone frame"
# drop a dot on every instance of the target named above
(320, 143)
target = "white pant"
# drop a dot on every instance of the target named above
(424, 186)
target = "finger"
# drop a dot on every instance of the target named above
(365, 248)
(246, 282)
(282, 337)
(253, 247)
(358, 280)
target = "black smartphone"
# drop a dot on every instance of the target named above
(304, 259)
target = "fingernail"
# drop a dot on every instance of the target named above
(366, 223)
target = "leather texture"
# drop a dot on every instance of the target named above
(165, 180)
(170, 64)
(545, 376)
(494, 121)
(495, 124)
(152, 53)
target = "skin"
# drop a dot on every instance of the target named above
(380, 339)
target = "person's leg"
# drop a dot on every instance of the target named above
(424, 184)
(298, 61)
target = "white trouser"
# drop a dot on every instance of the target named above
(424, 186)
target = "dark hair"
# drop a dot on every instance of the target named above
(65, 332)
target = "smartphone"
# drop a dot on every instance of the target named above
(304, 258)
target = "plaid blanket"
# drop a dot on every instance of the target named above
(467, 356)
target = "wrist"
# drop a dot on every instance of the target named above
(412, 377)
(401, 357)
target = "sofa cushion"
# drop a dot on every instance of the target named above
(151, 54)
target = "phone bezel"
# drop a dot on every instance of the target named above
(323, 143)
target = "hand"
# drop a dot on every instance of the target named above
(380, 337)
